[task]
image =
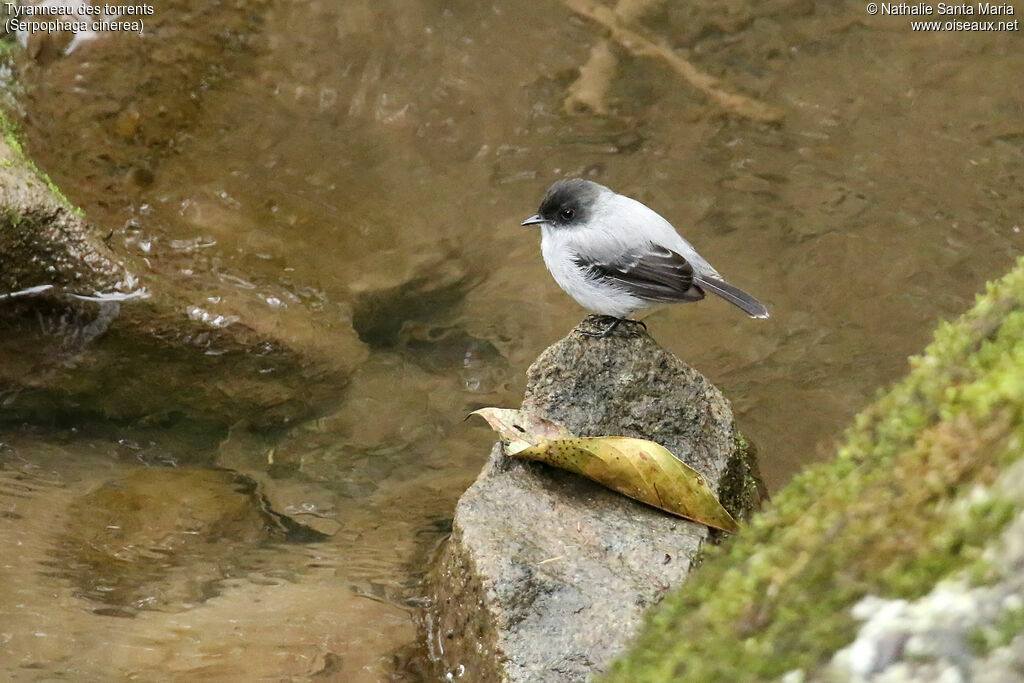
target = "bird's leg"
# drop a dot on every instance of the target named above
(606, 331)
(611, 328)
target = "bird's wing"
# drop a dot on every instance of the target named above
(652, 272)
(636, 225)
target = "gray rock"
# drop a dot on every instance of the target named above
(546, 574)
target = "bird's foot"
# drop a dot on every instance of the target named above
(611, 328)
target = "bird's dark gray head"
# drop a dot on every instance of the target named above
(567, 203)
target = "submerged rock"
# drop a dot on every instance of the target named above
(547, 574)
(165, 538)
(388, 297)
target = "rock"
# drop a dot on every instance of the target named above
(388, 297)
(547, 574)
(963, 628)
(162, 538)
(92, 362)
(165, 538)
(43, 241)
(74, 316)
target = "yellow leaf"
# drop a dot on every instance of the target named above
(639, 469)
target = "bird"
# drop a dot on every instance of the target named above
(615, 256)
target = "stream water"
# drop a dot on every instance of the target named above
(351, 176)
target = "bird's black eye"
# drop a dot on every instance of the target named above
(567, 213)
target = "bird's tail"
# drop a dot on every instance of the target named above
(734, 295)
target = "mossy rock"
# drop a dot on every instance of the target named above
(43, 238)
(895, 512)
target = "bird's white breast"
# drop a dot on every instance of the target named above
(559, 248)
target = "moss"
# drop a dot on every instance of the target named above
(9, 131)
(742, 488)
(1009, 625)
(11, 218)
(879, 519)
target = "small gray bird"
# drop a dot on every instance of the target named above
(614, 256)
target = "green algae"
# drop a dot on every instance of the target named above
(879, 519)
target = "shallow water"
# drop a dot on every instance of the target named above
(353, 176)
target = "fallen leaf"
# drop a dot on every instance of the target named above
(637, 468)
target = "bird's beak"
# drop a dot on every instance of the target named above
(533, 220)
